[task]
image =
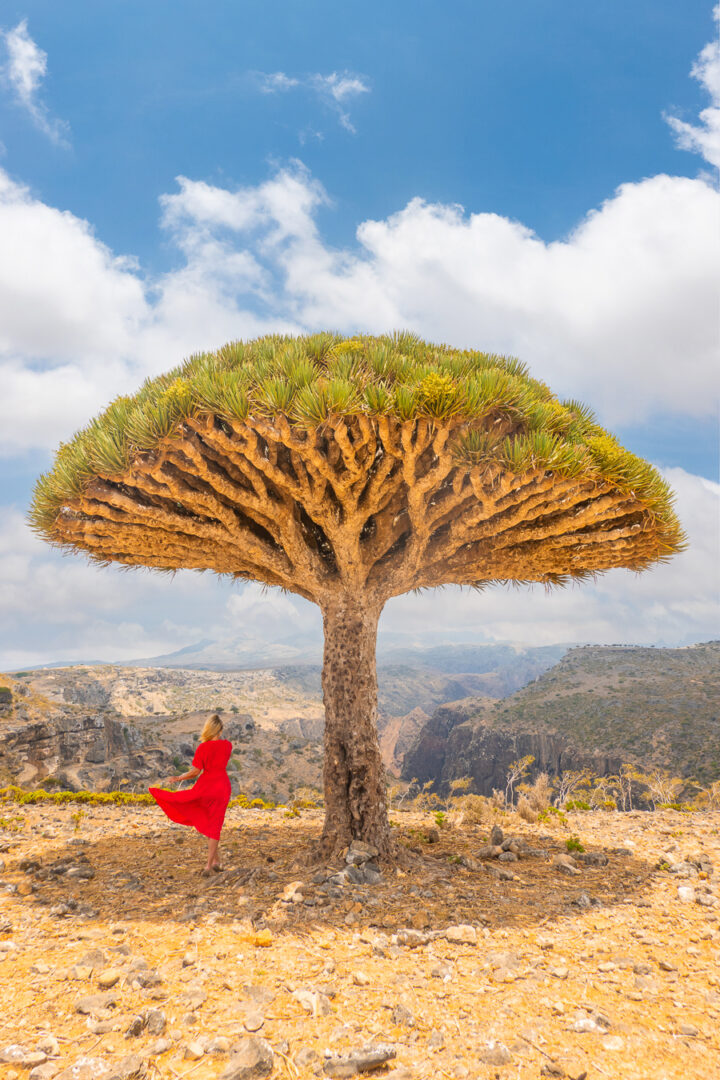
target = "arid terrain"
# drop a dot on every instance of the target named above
(118, 959)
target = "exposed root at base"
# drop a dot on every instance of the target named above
(331, 848)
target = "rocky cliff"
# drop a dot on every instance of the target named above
(456, 743)
(600, 707)
(79, 750)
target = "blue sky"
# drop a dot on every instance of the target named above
(536, 110)
(535, 177)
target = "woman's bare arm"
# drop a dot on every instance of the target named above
(189, 775)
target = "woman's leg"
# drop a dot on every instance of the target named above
(212, 859)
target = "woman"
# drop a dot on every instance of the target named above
(204, 804)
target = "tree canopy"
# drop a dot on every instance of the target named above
(382, 464)
(350, 471)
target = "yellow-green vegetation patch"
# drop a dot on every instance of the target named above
(16, 794)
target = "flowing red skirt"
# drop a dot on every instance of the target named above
(203, 805)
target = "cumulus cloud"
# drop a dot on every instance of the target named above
(55, 608)
(623, 312)
(335, 90)
(23, 73)
(704, 138)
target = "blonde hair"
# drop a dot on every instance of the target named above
(211, 728)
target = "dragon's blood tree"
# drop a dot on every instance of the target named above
(351, 471)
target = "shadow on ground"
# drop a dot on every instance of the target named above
(146, 871)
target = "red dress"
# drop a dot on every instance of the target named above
(204, 804)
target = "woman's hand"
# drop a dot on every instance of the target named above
(172, 780)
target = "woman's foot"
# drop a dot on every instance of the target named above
(217, 868)
(206, 872)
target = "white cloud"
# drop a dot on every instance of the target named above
(55, 608)
(276, 82)
(62, 292)
(704, 138)
(334, 90)
(24, 72)
(622, 313)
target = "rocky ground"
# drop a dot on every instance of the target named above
(118, 959)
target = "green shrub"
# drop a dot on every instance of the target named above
(577, 804)
(573, 844)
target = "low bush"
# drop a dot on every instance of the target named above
(242, 802)
(553, 814)
(577, 805)
(59, 798)
(471, 809)
(526, 811)
(539, 793)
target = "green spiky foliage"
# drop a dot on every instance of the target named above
(500, 414)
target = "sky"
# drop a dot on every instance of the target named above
(537, 179)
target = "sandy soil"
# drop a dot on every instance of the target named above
(611, 971)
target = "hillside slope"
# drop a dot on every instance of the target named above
(600, 706)
(106, 726)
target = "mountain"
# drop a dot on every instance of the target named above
(425, 649)
(600, 706)
(239, 653)
(108, 726)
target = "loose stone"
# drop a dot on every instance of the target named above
(130, 1066)
(135, 1027)
(495, 1053)
(253, 1021)
(219, 1045)
(250, 1058)
(160, 1046)
(108, 978)
(496, 836)
(462, 934)
(366, 1059)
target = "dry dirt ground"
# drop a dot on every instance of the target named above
(611, 971)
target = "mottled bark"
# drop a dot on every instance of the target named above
(354, 775)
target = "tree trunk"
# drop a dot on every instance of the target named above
(354, 774)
